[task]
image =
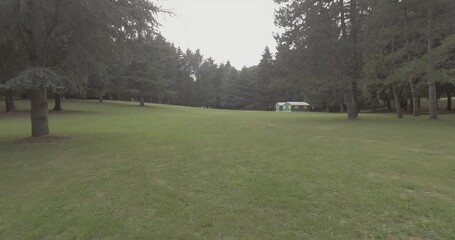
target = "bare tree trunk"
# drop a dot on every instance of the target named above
(39, 112)
(397, 102)
(431, 83)
(100, 98)
(58, 102)
(9, 101)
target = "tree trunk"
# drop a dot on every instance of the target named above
(404, 105)
(355, 98)
(342, 108)
(350, 106)
(34, 37)
(100, 98)
(433, 100)
(415, 99)
(9, 101)
(411, 105)
(348, 94)
(449, 101)
(412, 85)
(58, 102)
(39, 112)
(389, 105)
(397, 102)
(356, 67)
(142, 101)
(38, 96)
(431, 83)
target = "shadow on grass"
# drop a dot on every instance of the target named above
(447, 112)
(133, 105)
(40, 140)
(26, 113)
(71, 112)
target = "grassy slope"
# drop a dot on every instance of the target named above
(167, 172)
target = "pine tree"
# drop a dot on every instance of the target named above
(264, 79)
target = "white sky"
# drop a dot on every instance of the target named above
(234, 30)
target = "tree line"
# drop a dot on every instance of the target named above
(110, 49)
(348, 54)
(339, 55)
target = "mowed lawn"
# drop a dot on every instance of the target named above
(165, 172)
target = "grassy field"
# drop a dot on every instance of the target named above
(118, 171)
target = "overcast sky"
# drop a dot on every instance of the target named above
(235, 30)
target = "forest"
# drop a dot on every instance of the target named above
(339, 55)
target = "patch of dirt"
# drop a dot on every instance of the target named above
(42, 140)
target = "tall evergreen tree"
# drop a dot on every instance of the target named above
(206, 84)
(263, 81)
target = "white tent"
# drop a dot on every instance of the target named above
(292, 107)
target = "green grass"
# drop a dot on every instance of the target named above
(165, 172)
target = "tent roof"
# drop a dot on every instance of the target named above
(281, 103)
(299, 103)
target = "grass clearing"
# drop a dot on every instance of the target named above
(168, 172)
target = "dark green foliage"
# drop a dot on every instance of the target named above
(35, 78)
(264, 98)
(360, 50)
(78, 39)
(207, 84)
